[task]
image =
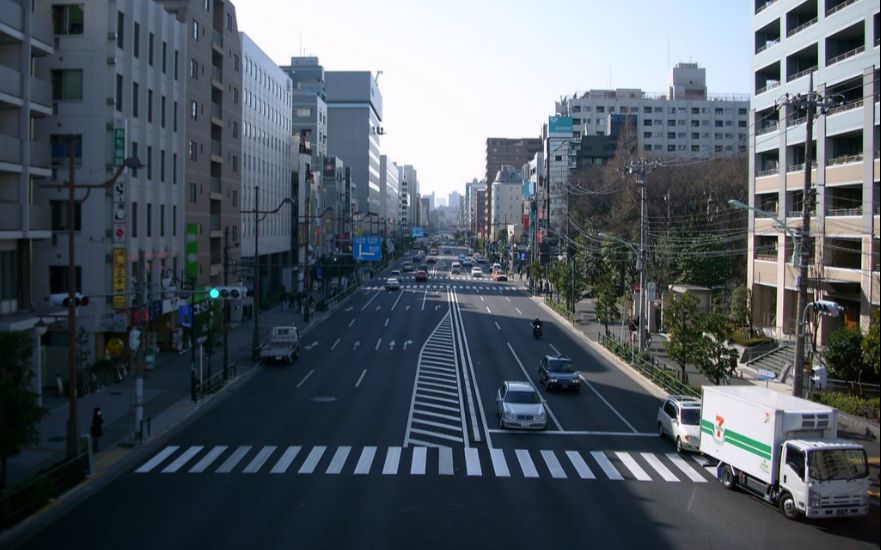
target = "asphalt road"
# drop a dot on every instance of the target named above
(384, 435)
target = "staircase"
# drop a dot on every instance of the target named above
(777, 360)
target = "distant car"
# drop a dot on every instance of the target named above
(396, 273)
(497, 267)
(558, 372)
(456, 267)
(424, 266)
(407, 267)
(499, 276)
(466, 263)
(431, 260)
(518, 405)
(680, 417)
(392, 284)
(421, 276)
(476, 272)
(481, 260)
(446, 250)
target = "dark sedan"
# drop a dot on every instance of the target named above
(558, 372)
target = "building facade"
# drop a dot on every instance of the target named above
(309, 104)
(390, 196)
(835, 45)
(507, 202)
(506, 151)
(268, 163)
(409, 182)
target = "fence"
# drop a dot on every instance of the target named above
(852, 388)
(30, 496)
(646, 364)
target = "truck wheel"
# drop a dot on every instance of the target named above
(787, 507)
(728, 480)
(660, 431)
(679, 446)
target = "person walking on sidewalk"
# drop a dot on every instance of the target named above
(97, 428)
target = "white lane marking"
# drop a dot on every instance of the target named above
(526, 463)
(408, 308)
(386, 322)
(424, 297)
(518, 310)
(358, 383)
(482, 300)
(630, 463)
(153, 462)
(526, 375)
(285, 461)
(488, 311)
(352, 322)
(553, 465)
(417, 467)
(499, 465)
(580, 465)
(506, 298)
(396, 301)
(312, 460)
(555, 349)
(338, 460)
(364, 462)
(378, 342)
(182, 459)
(233, 459)
(659, 467)
(582, 432)
(606, 465)
(445, 461)
(333, 347)
(303, 381)
(685, 468)
(370, 300)
(259, 460)
(497, 325)
(464, 351)
(614, 410)
(356, 345)
(378, 308)
(391, 461)
(206, 461)
(350, 308)
(472, 462)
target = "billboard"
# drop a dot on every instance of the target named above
(560, 126)
(418, 232)
(367, 249)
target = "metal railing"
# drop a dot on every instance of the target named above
(767, 45)
(646, 364)
(844, 159)
(805, 72)
(767, 172)
(832, 212)
(845, 107)
(845, 55)
(840, 6)
(765, 6)
(33, 494)
(801, 27)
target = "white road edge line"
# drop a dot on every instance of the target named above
(497, 325)
(526, 374)
(466, 356)
(603, 399)
(555, 349)
(396, 301)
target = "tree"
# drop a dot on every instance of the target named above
(870, 344)
(606, 300)
(681, 318)
(843, 354)
(19, 412)
(712, 355)
(740, 312)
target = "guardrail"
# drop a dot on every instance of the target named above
(646, 364)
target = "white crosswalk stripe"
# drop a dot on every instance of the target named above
(554, 464)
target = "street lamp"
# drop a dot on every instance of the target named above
(255, 339)
(640, 266)
(71, 186)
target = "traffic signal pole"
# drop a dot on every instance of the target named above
(138, 416)
(225, 306)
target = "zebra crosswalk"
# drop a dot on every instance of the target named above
(445, 286)
(469, 462)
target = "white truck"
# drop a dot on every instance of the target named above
(283, 346)
(783, 449)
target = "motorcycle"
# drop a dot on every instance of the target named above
(536, 331)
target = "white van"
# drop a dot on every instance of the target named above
(456, 268)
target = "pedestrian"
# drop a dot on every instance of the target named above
(97, 428)
(291, 301)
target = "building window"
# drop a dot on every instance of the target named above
(195, 30)
(149, 162)
(134, 219)
(194, 110)
(161, 220)
(118, 100)
(176, 63)
(135, 92)
(120, 30)
(150, 41)
(235, 198)
(136, 41)
(162, 166)
(60, 148)
(149, 105)
(174, 168)
(671, 148)
(194, 69)
(8, 275)
(229, 22)
(191, 150)
(149, 217)
(174, 117)
(58, 212)
(174, 220)
(192, 192)
(67, 85)
(67, 19)
(164, 56)
(162, 111)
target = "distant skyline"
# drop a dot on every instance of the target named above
(455, 73)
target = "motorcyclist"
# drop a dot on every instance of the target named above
(536, 323)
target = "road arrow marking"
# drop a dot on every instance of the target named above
(357, 344)
(310, 346)
(391, 346)
(407, 343)
(436, 308)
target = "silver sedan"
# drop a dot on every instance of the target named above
(518, 405)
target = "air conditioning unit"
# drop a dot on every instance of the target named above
(109, 126)
(111, 101)
(111, 60)
(111, 36)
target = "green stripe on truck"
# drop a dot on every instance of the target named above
(736, 439)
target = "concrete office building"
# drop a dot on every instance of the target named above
(119, 96)
(309, 105)
(506, 151)
(26, 39)
(390, 196)
(471, 216)
(507, 203)
(211, 63)
(409, 182)
(267, 163)
(836, 41)
(354, 125)
(687, 121)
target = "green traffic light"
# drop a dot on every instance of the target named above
(214, 293)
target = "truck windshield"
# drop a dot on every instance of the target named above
(837, 464)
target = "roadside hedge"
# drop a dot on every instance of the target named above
(866, 407)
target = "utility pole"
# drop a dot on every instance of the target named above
(812, 102)
(255, 337)
(225, 305)
(640, 168)
(306, 282)
(143, 306)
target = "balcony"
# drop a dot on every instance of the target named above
(764, 5)
(767, 128)
(10, 81)
(41, 155)
(767, 172)
(767, 45)
(217, 40)
(838, 7)
(215, 223)
(217, 74)
(800, 167)
(215, 186)
(801, 27)
(217, 111)
(10, 216)
(769, 85)
(799, 74)
(844, 159)
(847, 106)
(216, 149)
(845, 55)
(10, 149)
(41, 94)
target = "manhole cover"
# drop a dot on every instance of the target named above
(323, 399)
(56, 439)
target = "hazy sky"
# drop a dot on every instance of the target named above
(455, 72)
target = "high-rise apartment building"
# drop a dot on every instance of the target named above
(835, 45)
(409, 182)
(211, 64)
(390, 195)
(507, 202)
(309, 105)
(267, 163)
(506, 151)
(26, 98)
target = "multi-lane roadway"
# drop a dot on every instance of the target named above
(384, 435)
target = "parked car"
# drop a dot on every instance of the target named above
(392, 284)
(558, 372)
(407, 267)
(518, 405)
(476, 272)
(499, 276)
(679, 418)
(421, 276)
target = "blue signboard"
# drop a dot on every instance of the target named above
(418, 232)
(186, 315)
(367, 249)
(560, 126)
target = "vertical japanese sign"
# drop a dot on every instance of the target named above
(192, 251)
(118, 147)
(119, 278)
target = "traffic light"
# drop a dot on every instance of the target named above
(828, 308)
(228, 292)
(63, 300)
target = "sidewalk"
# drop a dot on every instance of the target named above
(166, 399)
